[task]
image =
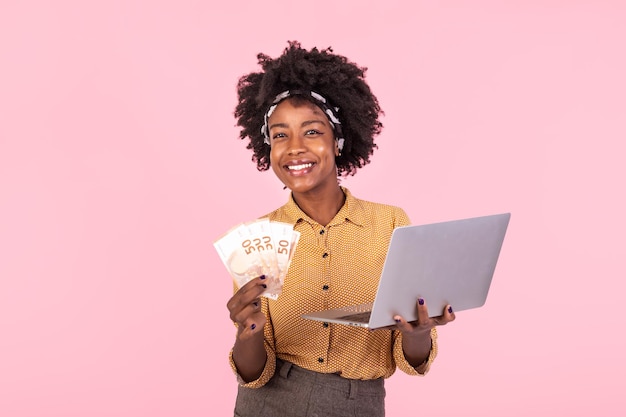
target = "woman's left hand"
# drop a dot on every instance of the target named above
(423, 324)
(416, 335)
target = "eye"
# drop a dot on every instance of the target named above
(278, 135)
(313, 132)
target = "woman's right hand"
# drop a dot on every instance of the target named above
(245, 308)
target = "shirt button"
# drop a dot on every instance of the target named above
(320, 360)
(325, 255)
(325, 324)
(325, 287)
(322, 232)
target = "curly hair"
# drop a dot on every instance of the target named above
(334, 77)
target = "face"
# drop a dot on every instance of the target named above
(303, 147)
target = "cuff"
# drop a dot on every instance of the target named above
(405, 366)
(266, 375)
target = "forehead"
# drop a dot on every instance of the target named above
(297, 106)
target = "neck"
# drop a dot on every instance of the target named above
(321, 207)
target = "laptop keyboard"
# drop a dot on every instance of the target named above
(362, 317)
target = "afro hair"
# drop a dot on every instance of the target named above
(334, 77)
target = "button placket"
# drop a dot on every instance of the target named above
(325, 258)
(323, 236)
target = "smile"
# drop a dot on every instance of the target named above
(299, 167)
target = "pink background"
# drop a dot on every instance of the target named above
(120, 164)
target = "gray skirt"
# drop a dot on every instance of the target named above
(297, 392)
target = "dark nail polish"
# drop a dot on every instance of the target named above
(262, 277)
(263, 285)
(253, 326)
(255, 304)
(450, 309)
(420, 301)
(397, 320)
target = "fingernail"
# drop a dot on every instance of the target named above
(420, 301)
(262, 277)
(255, 304)
(397, 320)
(253, 326)
(263, 285)
(450, 309)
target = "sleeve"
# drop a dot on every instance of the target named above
(270, 350)
(404, 365)
(401, 218)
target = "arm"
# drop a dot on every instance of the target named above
(249, 355)
(417, 349)
(419, 337)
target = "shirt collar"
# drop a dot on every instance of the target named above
(352, 211)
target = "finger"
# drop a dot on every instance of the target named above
(402, 324)
(254, 285)
(247, 293)
(448, 314)
(446, 317)
(241, 314)
(251, 326)
(422, 311)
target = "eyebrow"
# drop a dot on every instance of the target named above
(305, 123)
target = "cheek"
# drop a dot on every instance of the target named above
(273, 158)
(325, 150)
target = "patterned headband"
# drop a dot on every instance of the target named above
(319, 100)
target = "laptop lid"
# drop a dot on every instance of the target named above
(444, 263)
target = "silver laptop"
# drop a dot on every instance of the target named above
(444, 263)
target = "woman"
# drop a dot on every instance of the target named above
(310, 116)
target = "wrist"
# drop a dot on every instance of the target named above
(417, 348)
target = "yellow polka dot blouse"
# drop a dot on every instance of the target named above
(334, 266)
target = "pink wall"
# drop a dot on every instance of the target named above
(120, 164)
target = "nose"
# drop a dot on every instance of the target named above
(296, 145)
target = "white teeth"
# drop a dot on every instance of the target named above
(299, 167)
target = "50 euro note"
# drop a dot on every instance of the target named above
(250, 250)
(286, 240)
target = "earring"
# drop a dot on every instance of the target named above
(338, 146)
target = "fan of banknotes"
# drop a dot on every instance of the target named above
(259, 247)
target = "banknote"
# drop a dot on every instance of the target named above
(285, 239)
(259, 247)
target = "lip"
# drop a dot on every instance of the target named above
(305, 166)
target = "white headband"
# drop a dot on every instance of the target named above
(319, 100)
